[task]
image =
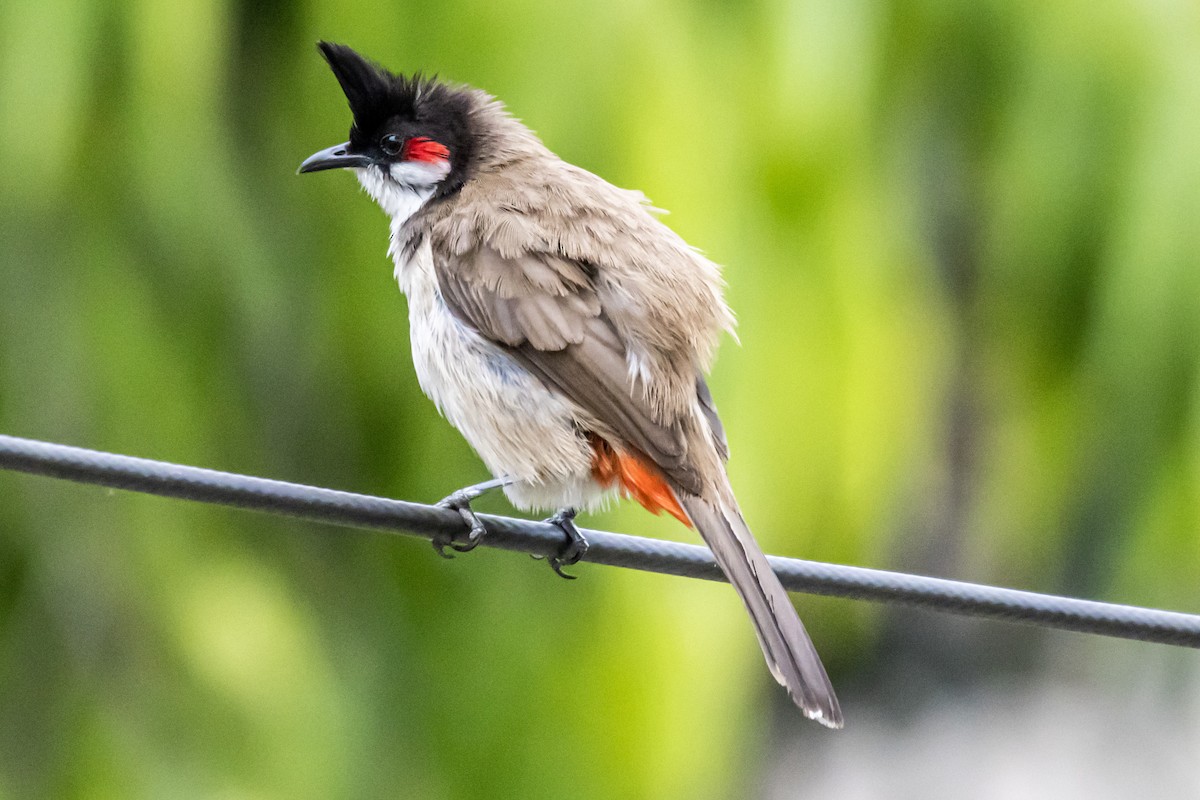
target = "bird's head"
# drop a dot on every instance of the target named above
(411, 136)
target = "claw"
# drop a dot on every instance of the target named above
(575, 548)
(440, 542)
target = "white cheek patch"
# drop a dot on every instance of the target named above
(420, 173)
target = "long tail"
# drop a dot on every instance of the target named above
(790, 653)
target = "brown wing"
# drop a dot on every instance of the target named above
(544, 310)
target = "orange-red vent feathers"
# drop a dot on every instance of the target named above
(637, 477)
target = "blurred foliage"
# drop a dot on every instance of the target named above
(962, 239)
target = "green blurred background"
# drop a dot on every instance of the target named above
(962, 240)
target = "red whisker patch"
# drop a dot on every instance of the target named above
(422, 148)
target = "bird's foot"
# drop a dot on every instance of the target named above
(460, 501)
(575, 548)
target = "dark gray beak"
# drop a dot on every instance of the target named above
(337, 157)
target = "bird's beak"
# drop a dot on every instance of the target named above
(337, 157)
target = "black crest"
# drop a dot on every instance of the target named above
(384, 102)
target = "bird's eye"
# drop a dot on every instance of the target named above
(391, 144)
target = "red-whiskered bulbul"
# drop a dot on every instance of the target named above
(561, 328)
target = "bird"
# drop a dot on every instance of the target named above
(562, 328)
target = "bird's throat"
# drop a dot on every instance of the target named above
(402, 192)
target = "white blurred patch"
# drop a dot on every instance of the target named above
(1127, 725)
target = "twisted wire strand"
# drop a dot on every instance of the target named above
(317, 504)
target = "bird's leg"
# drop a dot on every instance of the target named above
(460, 501)
(576, 546)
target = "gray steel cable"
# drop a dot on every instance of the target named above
(618, 550)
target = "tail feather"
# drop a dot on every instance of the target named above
(789, 652)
